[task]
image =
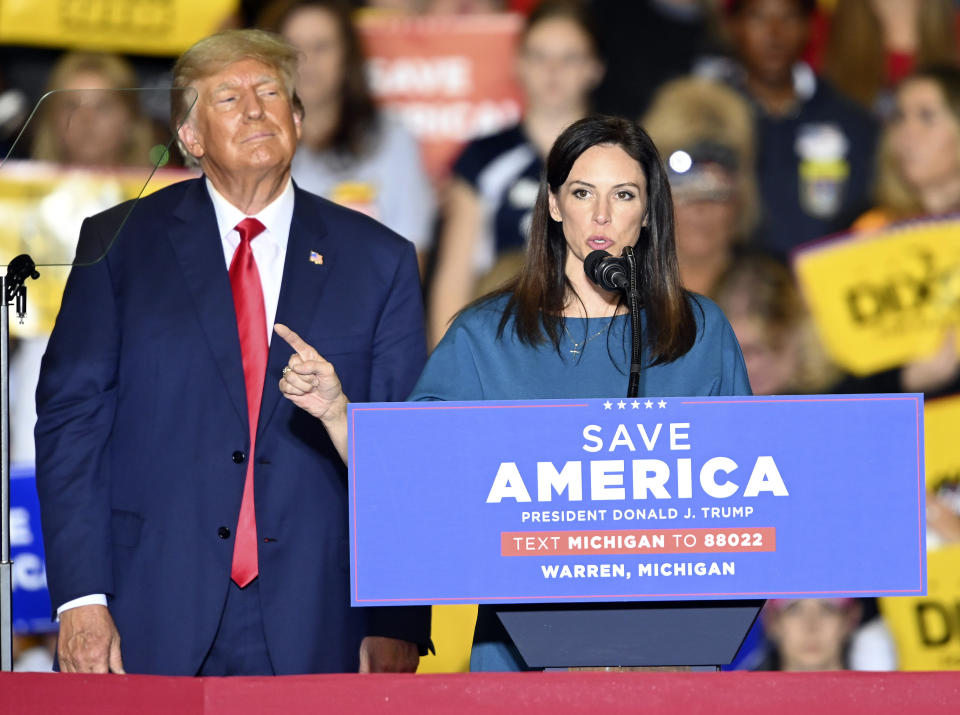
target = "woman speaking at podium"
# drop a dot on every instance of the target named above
(551, 333)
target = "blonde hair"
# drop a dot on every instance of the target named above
(213, 53)
(856, 58)
(892, 192)
(117, 73)
(691, 110)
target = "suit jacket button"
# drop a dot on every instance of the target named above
(223, 532)
(239, 457)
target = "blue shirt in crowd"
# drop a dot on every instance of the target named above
(814, 163)
(504, 169)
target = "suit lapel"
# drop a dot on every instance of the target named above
(199, 251)
(301, 292)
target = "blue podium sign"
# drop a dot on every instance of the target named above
(647, 499)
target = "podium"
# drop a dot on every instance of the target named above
(645, 533)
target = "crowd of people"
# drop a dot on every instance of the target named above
(778, 122)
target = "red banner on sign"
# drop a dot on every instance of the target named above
(637, 541)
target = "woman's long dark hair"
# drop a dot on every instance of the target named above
(356, 125)
(538, 296)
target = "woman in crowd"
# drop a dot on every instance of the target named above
(873, 44)
(817, 634)
(919, 165)
(88, 123)
(809, 633)
(704, 131)
(491, 195)
(350, 152)
(551, 332)
(759, 297)
(919, 175)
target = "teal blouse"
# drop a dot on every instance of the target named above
(472, 363)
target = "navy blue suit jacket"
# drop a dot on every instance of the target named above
(141, 406)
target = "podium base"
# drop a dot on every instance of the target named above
(664, 633)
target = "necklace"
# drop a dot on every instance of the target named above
(578, 346)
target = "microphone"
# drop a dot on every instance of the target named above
(606, 271)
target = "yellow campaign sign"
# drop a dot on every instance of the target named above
(145, 27)
(452, 635)
(926, 629)
(941, 419)
(885, 298)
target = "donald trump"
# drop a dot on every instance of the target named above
(195, 523)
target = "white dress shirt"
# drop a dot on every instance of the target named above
(269, 251)
(269, 248)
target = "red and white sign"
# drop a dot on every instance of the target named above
(448, 78)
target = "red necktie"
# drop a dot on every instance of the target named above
(252, 326)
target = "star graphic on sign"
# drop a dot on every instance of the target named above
(635, 405)
(621, 404)
(648, 404)
(607, 405)
(661, 404)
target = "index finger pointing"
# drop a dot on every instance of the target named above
(302, 348)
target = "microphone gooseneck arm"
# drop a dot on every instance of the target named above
(633, 303)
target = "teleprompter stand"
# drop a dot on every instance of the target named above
(660, 633)
(12, 290)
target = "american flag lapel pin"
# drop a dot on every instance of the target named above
(316, 258)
